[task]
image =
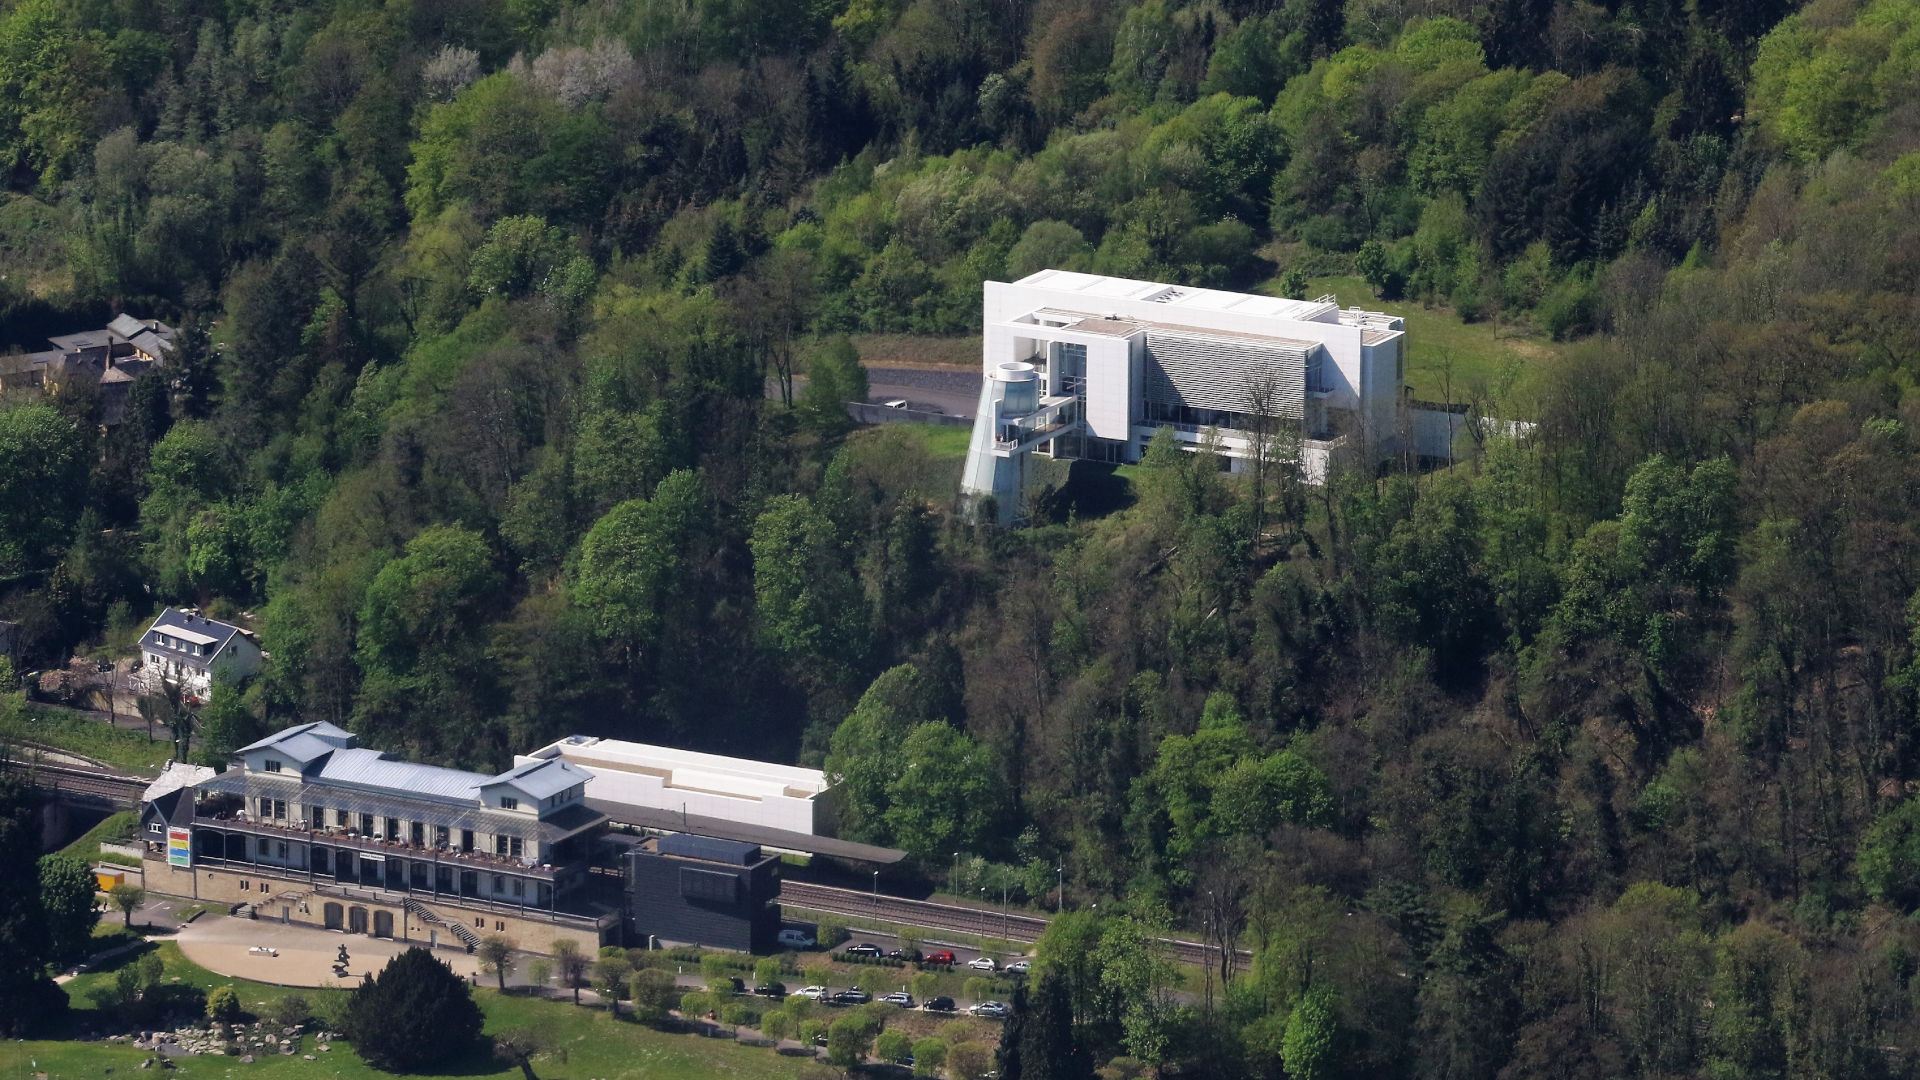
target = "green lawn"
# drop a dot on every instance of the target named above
(1437, 338)
(912, 457)
(597, 1045)
(118, 747)
(941, 441)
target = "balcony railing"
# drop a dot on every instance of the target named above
(1049, 420)
(342, 838)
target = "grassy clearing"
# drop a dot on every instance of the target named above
(914, 350)
(118, 747)
(1437, 338)
(941, 442)
(597, 1045)
(913, 457)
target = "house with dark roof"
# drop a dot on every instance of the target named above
(184, 648)
(112, 357)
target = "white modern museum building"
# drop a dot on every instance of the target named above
(1085, 366)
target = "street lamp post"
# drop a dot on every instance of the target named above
(876, 886)
(1060, 893)
(953, 879)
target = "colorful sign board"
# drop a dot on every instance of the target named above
(179, 847)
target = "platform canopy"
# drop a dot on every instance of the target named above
(650, 817)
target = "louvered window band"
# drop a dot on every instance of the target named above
(1201, 371)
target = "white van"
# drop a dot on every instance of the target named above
(796, 939)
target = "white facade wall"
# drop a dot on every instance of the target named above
(240, 658)
(1381, 365)
(1113, 378)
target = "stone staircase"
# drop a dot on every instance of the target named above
(242, 910)
(432, 918)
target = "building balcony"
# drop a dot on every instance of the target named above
(347, 840)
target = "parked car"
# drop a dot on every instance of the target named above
(992, 1010)
(938, 1004)
(900, 998)
(1019, 967)
(772, 990)
(739, 987)
(817, 993)
(982, 963)
(850, 997)
(796, 939)
(940, 956)
(865, 948)
(911, 956)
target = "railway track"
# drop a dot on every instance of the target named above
(89, 783)
(954, 918)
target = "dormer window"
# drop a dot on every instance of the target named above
(509, 803)
(272, 765)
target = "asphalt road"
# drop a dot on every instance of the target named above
(956, 393)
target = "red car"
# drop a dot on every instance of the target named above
(940, 956)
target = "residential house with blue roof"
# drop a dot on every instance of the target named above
(184, 649)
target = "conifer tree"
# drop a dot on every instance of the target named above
(414, 1013)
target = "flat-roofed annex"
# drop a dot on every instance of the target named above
(691, 770)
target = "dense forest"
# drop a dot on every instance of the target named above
(1592, 755)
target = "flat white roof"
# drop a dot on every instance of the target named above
(689, 769)
(1177, 296)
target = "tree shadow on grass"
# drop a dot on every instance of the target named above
(1093, 490)
(477, 1061)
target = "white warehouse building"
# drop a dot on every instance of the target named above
(1084, 366)
(686, 784)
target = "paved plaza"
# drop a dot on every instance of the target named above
(305, 954)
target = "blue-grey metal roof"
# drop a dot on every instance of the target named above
(304, 742)
(412, 805)
(371, 768)
(198, 626)
(540, 779)
(126, 325)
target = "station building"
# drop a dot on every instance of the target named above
(595, 840)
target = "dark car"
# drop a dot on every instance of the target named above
(851, 997)
(939, 1004)
(739, 987)
(940, 956)
(772, 990)
(911, 956)
(865, 948)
